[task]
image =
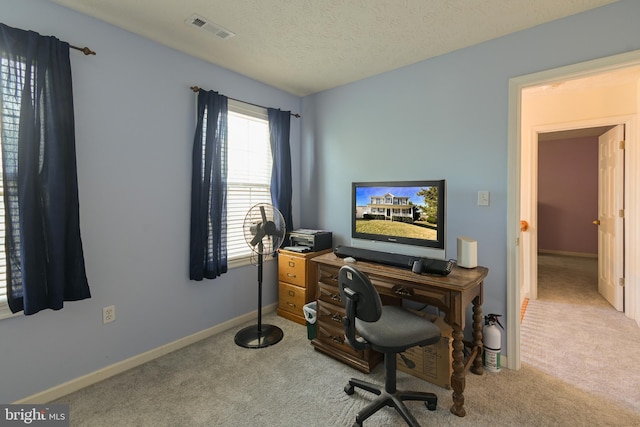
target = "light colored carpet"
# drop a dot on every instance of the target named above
(216, 383)
(573, 334)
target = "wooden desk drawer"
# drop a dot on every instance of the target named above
(440, 298)
(329, 293)
(292, 269)
(291, 298)
(334, 336)
(330, 314)
(328, 290)
(328, 274)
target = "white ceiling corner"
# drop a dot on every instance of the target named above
(307, 46)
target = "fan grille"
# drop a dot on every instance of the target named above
(264, 228)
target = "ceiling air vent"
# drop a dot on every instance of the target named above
(203, 24)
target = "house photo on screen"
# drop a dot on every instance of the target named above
(406, 212)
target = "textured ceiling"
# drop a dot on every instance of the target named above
(306, 46)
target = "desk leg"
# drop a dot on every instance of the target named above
(458, 376)
(477, 336)
(458, 381)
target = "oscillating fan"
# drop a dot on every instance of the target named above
(264, 231)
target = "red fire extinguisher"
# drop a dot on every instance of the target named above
(492, 343)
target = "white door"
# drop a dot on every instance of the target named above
(610, 219)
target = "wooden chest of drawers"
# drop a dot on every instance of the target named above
(296, 283)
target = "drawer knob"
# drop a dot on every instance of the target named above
(292, 264)
(292, 294)
(402, 291)
(336, 318)
(335, 297)
(339, 340)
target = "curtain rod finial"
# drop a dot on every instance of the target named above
(84, 50)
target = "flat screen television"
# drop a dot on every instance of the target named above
(405, 212)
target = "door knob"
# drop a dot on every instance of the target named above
(524, 225)
(596, 222)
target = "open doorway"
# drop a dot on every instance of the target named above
(579, 185)
(568, 192)
(589, 86)
(567, 197)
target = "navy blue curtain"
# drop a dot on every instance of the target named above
(45, 261)
(208, 251)
(281, 187)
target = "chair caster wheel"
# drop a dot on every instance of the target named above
(349, 389)
(431, 406)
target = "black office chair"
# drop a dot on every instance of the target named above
(389, 330)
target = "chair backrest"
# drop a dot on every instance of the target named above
(368, 306)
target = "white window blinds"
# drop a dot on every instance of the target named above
(4, 307)
(249, 173)
(10, 114)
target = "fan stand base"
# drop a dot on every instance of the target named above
(254, 337)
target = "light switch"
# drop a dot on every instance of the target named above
(483, 198)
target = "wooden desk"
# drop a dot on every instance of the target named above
(451, 294)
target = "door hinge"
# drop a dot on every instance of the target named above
(622, 144)
(621, 282)
(621, 213)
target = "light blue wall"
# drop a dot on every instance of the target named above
(134, 130)
(442, 118)
(445, 118)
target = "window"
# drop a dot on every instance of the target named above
(10, 113)
(4, 306)
(249, 173)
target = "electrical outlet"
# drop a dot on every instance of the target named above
(108, 314)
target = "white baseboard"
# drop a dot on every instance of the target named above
(567, 253)
(76, 384)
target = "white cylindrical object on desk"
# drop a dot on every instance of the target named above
(467, 252)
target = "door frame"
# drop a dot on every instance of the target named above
(632, 200)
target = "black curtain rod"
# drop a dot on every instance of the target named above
(84, 50)
(296, 115)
